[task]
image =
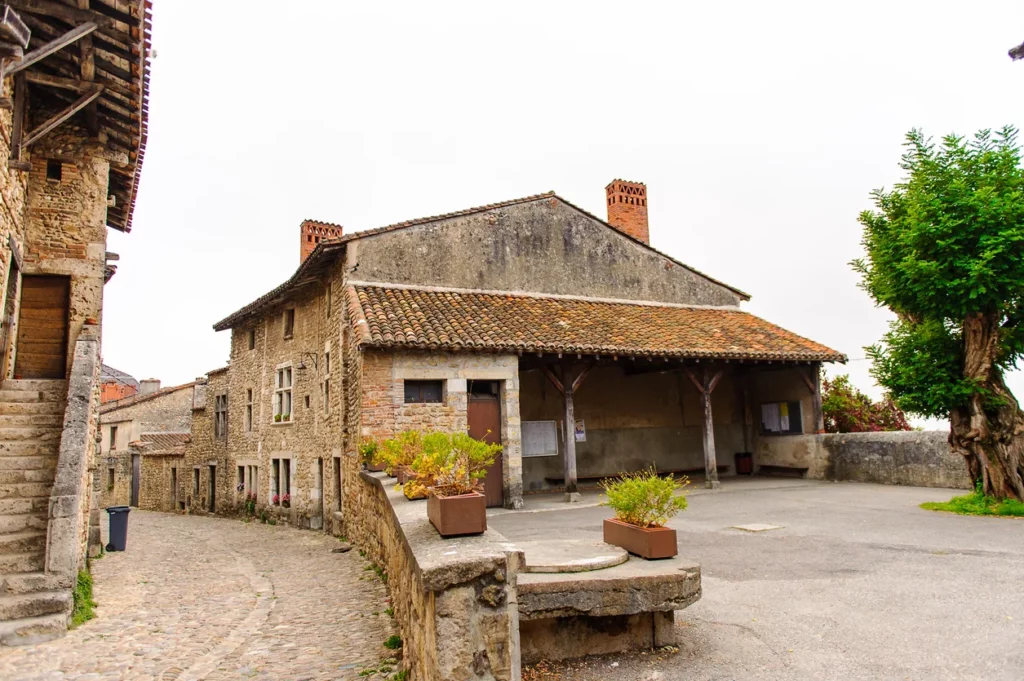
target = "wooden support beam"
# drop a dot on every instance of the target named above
(51, 47)
(59, 118)
(579, 379)
(706, 385)
(87, 67)
(56, 81)
(819, 414)
(58, 10)
(554, 379)
(18, 128)
(571, 492)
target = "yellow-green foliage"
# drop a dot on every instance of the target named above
(644, 499)
(453, 463)
(400, 450)
(368, 451)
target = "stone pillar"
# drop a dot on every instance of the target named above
(511, 440)
(664, 628)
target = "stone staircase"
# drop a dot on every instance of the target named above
(34, 605)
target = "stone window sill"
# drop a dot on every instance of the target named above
(282, 423)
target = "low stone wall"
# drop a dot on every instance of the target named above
(454, 599)
(918, 458)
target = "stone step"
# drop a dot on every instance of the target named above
(33, 630)
(31, 475)
(33, 407)
(18, 433)
(9, 420)
(20, 606)
(21, 522)
(32, 582)
(28, 463)
(34, 384)
(23, 542)
(18, 505)
(29, 448)
(24, 490)
(31, 561)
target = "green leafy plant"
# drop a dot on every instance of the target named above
(847, 410)
(945, 253)
(393, 642)
(644, 498)
(368, 451)
(978, 503)
(277, 418)
(455, 463)
(83, 603)
(400, 676)
(400, 450)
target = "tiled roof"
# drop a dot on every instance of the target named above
(109, 373)
(163, 443)
(132, 400)
(329, 247)
(469, 320)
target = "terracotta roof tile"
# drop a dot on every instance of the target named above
(469, 320)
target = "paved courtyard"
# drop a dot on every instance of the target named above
(858, 584)
(217, 599)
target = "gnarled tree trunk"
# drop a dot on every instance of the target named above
(991, 439)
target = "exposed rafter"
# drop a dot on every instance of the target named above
(50, 47)
(59, 118)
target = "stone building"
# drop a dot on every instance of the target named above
(73, 110)
(139, 435)
(568, 338)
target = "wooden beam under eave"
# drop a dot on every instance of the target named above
(571, 491)
(59, 118)
(87, 67)
(18, 128)
(49, 48)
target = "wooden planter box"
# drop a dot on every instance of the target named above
(375, 467)
(404, 474)
(457, 516)
(413, 498)
(646, 542)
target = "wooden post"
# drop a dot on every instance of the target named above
(748, 416)
(819, 416)
(706, 386)
(571, 492)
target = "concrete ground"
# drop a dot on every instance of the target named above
(859, 583)
(212, 598)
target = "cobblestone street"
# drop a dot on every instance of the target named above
(212, 598)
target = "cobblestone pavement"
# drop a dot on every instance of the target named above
(212, 598)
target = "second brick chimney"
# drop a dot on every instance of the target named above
(627, 208)
(312, 232)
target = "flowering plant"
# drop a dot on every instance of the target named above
(286, 500)
(275, 499)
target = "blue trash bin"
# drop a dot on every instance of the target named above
(118, 527)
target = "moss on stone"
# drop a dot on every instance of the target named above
(84, 604)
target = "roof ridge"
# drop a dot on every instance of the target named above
(132, 400)
(541, 295)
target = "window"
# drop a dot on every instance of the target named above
(110, 479)
(327, 383)
(329, 302)
(307, 401)
(54, 169)
(289, 322)
(174, 488)
(283, 395)
(113, 438)
(337, 483)
(280, 482)
(220, 417)
(781, 418)
(423, 392)
(248, 410)
(195, 483)
(252, 339)
(240, 485)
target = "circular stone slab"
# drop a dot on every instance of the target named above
(570, 555)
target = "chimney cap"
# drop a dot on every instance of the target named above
(619, 179)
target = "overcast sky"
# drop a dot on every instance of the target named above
(759, 128)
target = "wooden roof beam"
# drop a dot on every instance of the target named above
(49, 48)
(59, 118)
(58, 10)
(87, 67)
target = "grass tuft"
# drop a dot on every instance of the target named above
(977, 503)
(393, 642)
(84, 604)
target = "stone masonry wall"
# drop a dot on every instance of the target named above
(13, 190)
(312, 439)
(166, 411)
(919, 458)
(384, 413)
(203, 450)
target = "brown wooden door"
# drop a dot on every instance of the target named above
(485, 424)
(136, 477)
(43, 327)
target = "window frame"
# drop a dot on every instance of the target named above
(418, 385)
(251, 338)
(283, 393)
(248, 410)
(325, 389)
(220, 416)
(795, 414)
(288, 323)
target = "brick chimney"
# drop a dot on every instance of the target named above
(312, 232)
(627, 208)
(147, 386)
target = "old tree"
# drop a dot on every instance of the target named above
(945, 252)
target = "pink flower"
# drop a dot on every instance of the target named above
(275, 499)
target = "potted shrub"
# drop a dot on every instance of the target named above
(286, 500)
(399, 452)
(643, 502)
(368, 450)
(455, 505)
(421, 473)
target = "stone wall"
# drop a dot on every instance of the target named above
(456, 609)
(543, 246)
(165, 411)
(311, 440)
(384, 412)
(203, 450)
(13, 189)
(919, 458)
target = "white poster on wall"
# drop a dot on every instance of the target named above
(581, 431)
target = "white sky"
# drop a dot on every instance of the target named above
(759, 128)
